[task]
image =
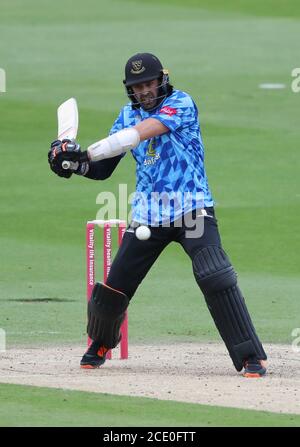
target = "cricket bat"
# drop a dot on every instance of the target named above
(67, 117)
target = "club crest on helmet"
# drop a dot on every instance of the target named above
(137, 67)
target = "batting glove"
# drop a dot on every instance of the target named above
(67, 150)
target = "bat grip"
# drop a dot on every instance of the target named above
(73, 165)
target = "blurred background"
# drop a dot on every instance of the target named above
(219, 52)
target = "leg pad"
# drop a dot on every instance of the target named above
(106, 312)
(218, 282)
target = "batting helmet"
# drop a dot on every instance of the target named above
(144, 67)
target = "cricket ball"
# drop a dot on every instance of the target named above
(142, 233)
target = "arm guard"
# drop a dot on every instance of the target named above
(114, 145)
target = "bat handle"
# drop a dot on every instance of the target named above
(73, 165)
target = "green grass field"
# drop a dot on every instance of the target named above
(33, 406)
(217, 51)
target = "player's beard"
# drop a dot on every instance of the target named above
(147, 101)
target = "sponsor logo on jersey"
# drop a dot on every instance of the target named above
(151, 161)
(151, 152)
(168, 110)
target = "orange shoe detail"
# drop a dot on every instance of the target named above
(252, 375)
(102, 351)
(88, 367)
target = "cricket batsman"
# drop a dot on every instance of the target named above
(160, 127)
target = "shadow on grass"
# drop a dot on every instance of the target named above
(40, 300)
